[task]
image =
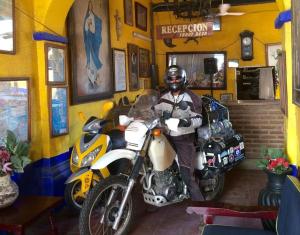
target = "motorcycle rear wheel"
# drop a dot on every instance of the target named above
(212, 191)
(95, 208)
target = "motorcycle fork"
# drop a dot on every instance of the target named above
(131, 181)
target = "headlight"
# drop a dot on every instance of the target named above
(74, 157)
(87, 160)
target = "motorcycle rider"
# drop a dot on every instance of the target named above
(181, 103)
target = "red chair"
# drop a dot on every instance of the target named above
(288, 215)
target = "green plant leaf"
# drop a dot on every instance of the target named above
(16, 162)
(11, 140)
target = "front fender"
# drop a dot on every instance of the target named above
(85, 175)
(78, 175)
(112, 156)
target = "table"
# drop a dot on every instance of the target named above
(25, 211)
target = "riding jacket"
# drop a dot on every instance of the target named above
(186, 105)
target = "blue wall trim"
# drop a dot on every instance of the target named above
(38, 36)
(283, 17)
(45, 176)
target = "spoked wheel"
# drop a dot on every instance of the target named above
(212, 186)
(101, 207)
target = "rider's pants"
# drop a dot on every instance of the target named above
(186, 151)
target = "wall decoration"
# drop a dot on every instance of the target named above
(133, 66)
(55, 64)
(188, 30)
(144, 63)
(272, 50)
(217, 24)
(233, 63)
(225, 97)
(7, 26)
(140, 16)
(90, 49)
(118, 25)
(128, 12)
(15, 107)
(119, 62)
(59, 118)
(193, 63)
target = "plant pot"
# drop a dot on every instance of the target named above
(270, 195)
(9, 191)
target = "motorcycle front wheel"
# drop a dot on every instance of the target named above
(73, 201)
(101, 207)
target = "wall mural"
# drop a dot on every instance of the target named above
(90, 51)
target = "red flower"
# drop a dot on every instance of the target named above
(286, 164)
(4, 154)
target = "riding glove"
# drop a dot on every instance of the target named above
(184, 122)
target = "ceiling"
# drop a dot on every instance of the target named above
(197, 8)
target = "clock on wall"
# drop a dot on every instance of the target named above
(246, 45)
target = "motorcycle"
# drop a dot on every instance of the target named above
(91, 146)
(109, 205)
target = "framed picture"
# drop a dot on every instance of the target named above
(7, 26)
(15, 107)
(144, 62)
(133, 66)
(198, 72)
(119, 62)
(59, 118)
(225, 97)
(55, 64)
(140, 16)
(272, 53)
(90, 51)
(128, 12)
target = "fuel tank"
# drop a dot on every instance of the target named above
(161, 153)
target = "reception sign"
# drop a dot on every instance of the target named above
(184, 30)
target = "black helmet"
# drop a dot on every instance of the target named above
(175, 78)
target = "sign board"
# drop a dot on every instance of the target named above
(184, 30)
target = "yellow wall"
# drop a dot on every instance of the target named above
(29, 61)
(292, 122)
(259, 18)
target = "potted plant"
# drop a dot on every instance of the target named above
(274, 161)
(14, 156)
(275, 164)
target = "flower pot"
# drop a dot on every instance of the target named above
(270, 195)
(9, 191)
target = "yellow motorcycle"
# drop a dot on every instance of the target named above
(91, 146)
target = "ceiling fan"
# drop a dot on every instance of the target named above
(223, 10)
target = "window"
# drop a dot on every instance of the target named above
(296, 50)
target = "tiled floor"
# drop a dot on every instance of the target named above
(241, 188)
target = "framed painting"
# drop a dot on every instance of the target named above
(15, 107)
(90, 51)
(58, 106)
(140, 16)
(119, 64)
(7, 26)
(133, 66)
(55, 64)
(198, 74)
(272, 50)
(128, 12)
(144, 63)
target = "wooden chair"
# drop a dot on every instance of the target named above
(288, 215)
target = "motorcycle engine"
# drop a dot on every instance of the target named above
(166, 183)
